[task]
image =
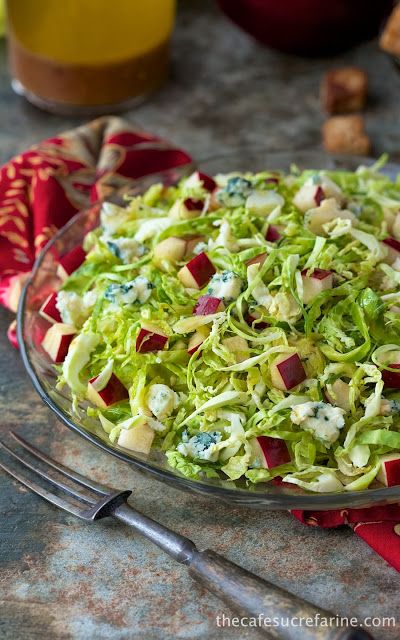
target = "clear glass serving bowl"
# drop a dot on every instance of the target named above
(31, 329)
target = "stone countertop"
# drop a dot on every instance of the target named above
(58, 577)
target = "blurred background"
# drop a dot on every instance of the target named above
(226, 88)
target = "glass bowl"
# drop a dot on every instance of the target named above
(32, 327)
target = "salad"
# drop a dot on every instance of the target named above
(247, 325)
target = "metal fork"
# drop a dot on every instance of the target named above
(241, 590)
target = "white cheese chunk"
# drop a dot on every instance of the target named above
(321, 419)
(126, 249)
(75, 309)
(226, 286)
(162, 400)
(137, 290)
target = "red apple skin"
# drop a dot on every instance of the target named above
(318, 274)
(49, 311)
(260, 259)
(392, 243)
(113, 392)
(193, 349)
(391, 378)
(274, 450)
(59, 352)
(391, 473)
(208, 183)
(193, 205)
(71, 261)
(259, 325)
(319, 196)
(273, 234)
(150, 341)
(292, 371)
(271, 181)
(207, 305)
(201, 268)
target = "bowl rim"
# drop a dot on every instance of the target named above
(270, 500)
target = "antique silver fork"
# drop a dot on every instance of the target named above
(243, 591)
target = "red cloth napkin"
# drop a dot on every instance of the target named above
(44, 187)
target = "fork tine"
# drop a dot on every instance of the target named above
(102, 489)
(47, 495)
(57, 483)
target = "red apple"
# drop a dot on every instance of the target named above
(273, 234)
(389, 472)
(197, 272)
(150, 339)
(193, 205)
(393, 246)
(252, 318)
(171, 249)
(271, 180)
(70, 262)
(57, 340)
(316, 282)
(392, 378)
(319, 195)
(208, 183)
(208, 304)
(287, 372)
(112, 392)
(197, 339)
(49, 310)
(191, 243)
(270, 452)
(260, 259)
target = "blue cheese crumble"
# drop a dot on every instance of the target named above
(226, 286)
(125, 249)
(137, 290)
(321, 419)
(235, 192)
(200, 446)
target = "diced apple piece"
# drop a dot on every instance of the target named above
(207, 305)
(186, 209)
(269, 452)
(191, 244)
(113, 392)
(49, 310)
(392, 378)
(199, 177)
(273, 234)
(70, 262)
(171, 249)
(138, 438)
(57, 340)
(316, 282)
(260, 259)
(238, 346)
(393, 247)
(287, 372)
(150, 338)
(252, 320)
(338, 394)
(197, 339)
(197, 272)
(327, 211)
(389, 472)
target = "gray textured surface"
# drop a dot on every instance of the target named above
(61, 579)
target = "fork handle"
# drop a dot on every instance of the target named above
(243, 591)
(277, 611)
